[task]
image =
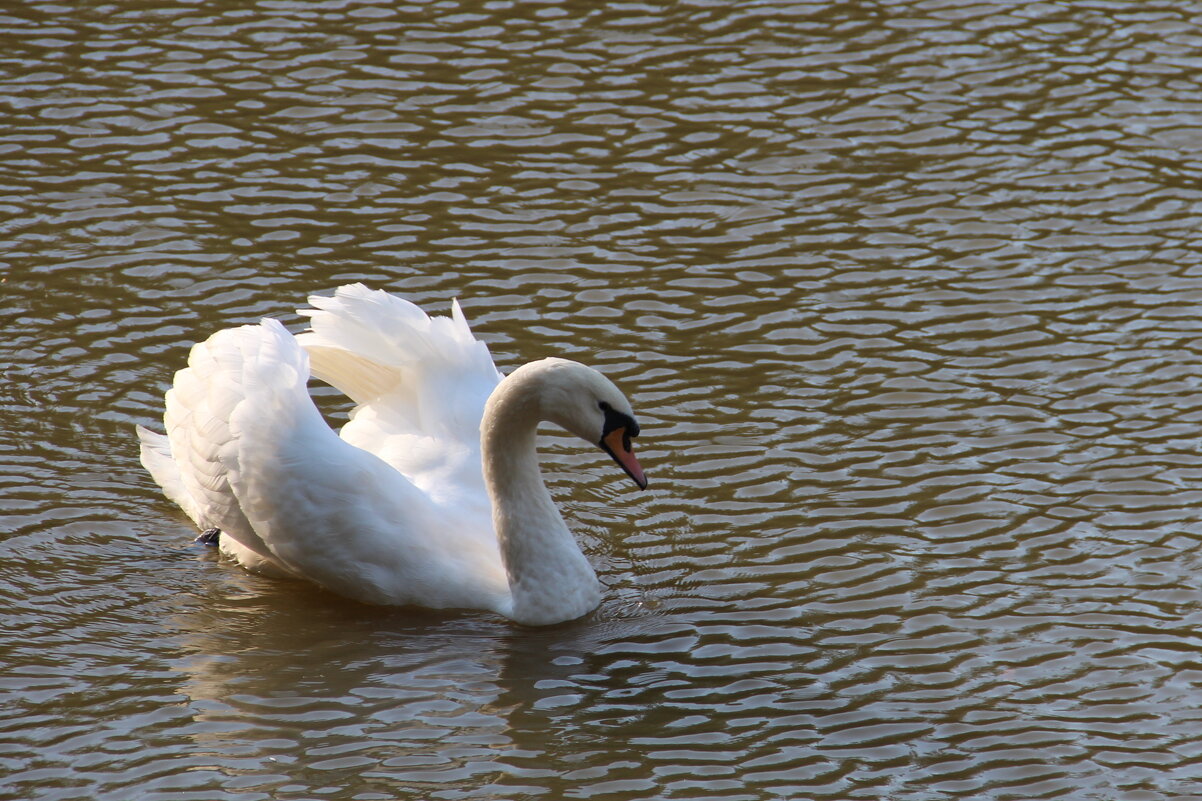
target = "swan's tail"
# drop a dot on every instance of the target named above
(423, 374)
(158, 461)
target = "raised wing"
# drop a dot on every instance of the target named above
(419, 383)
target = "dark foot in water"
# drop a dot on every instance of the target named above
(209, 537)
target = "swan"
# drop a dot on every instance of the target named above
(431, 495)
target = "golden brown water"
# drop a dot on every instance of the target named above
(906, 294)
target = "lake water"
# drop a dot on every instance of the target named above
(906, 295)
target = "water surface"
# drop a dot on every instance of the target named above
(906, 295)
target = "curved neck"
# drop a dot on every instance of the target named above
(549, 578)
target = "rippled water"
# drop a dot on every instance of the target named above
(906, 295)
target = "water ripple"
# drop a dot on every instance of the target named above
(905, 297)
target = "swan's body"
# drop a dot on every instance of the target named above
(431, 496)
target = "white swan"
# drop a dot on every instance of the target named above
(432, 496)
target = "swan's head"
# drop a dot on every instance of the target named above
(587, 404)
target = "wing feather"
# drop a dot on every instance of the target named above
(420, 384)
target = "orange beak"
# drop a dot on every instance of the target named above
(617, 444)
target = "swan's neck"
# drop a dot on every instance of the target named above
(549, 578)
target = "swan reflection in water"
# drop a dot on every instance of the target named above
(295, 676)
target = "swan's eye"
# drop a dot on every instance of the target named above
(605, 407)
